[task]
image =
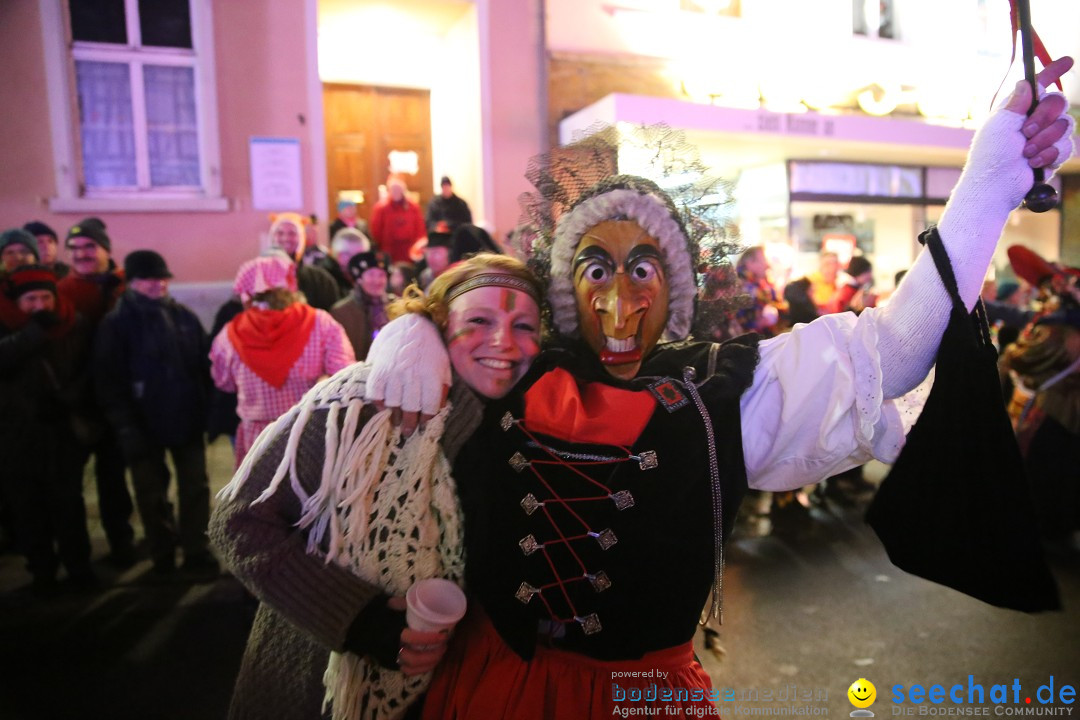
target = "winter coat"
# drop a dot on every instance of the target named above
(44, 384)
(151, 372)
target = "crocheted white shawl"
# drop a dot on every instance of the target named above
(386, 509)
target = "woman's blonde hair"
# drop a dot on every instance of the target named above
(434, 305)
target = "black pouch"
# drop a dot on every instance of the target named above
(955, 507)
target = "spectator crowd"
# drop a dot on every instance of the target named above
(99, 361)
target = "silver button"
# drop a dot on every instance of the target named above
(529, 545)
(529, 503)
(606, 538)
(518, 462)
(525, 593)
(623, 500)
(590, 624)
(600, 581)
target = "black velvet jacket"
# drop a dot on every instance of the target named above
(645, 591)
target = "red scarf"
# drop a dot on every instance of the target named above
(271, 341)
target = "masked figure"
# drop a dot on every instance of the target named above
(596, 495)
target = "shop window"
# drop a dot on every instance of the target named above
(143, 123)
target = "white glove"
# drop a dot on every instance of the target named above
(410, 367)
(996, 177)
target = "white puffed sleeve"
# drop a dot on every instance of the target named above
(816, 408)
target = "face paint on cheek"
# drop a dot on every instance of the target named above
(461, 333)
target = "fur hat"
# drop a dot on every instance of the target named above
(145, 264)
(19, 236)
(92, 228)
(625, 197)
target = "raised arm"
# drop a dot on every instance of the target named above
(819, 402)
(995, 179)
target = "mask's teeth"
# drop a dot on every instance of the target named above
(624, 345)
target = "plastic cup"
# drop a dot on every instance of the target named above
(434, 604)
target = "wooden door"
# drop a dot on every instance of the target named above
(364, 124)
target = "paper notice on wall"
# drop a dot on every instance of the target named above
(276, 182)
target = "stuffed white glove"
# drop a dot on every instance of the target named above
(995, 180)
(410, 367)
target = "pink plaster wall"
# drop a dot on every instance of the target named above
(26, 175)
(261, 91)
(513, 104)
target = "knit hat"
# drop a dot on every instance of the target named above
(342, 204)
(360, 262)
(36, 227)
(30, 277)
(439, 239)
(265, 273)
(92, 228)
(1005, 289)
(145, 264)
(18, 236)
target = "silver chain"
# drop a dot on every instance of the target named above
(577, 456)
(716, 607)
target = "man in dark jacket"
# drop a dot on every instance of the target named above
(446, 211)
(152, 377)
(93, 286)
(44, 395)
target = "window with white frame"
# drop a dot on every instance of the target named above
(143, 123)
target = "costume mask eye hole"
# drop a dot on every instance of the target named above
(596, 272)
(643, 271)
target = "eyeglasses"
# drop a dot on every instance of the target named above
(80, 248)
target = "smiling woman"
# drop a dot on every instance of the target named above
(357, 512)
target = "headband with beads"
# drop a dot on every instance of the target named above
(492, 280)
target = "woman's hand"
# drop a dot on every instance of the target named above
(420, 651)
(1049, 123)
(410, 371)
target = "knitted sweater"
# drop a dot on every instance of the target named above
(306, 605)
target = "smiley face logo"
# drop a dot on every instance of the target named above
(862, 693)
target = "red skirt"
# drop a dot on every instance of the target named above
(481, 678)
